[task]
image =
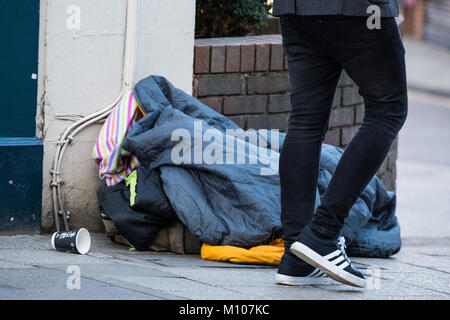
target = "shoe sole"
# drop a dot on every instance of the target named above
(301, 281)
(316, 260)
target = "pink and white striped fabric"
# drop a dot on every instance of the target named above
(116, 163)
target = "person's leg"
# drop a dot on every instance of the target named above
(374, 59)
(313, 77)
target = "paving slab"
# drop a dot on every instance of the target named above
(43, 284)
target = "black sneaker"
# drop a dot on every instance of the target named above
(296, 272)
(329, 256)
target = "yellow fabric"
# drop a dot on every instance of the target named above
(140, 109)
(264, 254)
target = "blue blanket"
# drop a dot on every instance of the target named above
(238, 203)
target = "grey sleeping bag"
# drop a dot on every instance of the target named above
(239, 204)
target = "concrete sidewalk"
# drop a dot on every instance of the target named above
(423, 164)
(31, 269)
(428, 67)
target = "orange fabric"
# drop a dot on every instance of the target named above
(264, 254)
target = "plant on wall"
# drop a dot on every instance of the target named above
(219, 18)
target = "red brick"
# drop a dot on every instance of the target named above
(388, 179)
(393, 152)
(347, 134)
(394, 146)
(214, 103)
(392, 160)
(244, 104)
(415, 19)
(279, 103)
(393, 169)
(220, 85)
(217, 59)
(350, 96)
(195, 87)
(233, 58)
(275, 121)
(276, 57)
(262, 57)
(268, 84)
(342, 117)
(383, 168)
(239, 120)
(337, 100)
(333, 137)
(345, 80)
(359, 117)
(248, 58)
(201, 59)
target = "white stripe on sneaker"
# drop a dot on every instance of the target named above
(337, 260)
(332, 255)
(312, 274)
(318, 274)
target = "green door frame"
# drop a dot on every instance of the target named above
(21, 152)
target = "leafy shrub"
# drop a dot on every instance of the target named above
(228, 18)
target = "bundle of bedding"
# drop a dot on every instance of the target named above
(194, 165)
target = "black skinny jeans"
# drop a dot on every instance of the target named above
(317, 49)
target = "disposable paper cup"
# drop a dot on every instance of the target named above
(76, 241)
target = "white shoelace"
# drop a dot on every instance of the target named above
(342, 246)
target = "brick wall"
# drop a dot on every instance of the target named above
(414, 23)
(246, 79)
